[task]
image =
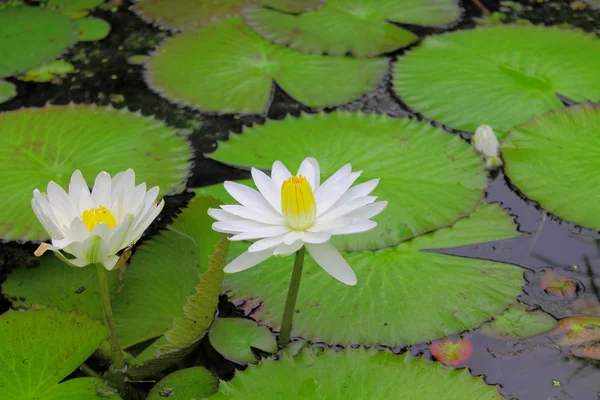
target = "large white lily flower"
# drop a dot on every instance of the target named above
(288, 212)
(94, 226)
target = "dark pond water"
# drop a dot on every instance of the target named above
(530, 369)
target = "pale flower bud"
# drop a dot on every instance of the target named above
(486, 144)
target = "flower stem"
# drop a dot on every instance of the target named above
(118, 362)
(290, 302)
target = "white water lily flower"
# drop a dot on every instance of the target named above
(486, 144)
(94, 226)
(288, 212)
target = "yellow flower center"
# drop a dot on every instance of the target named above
(94, 216)
(298, 204)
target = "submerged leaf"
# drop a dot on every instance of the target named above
(354, 374)
(47, 72)
(225, 67)
(452, 352)
(573, 331)
(233, 338)
(558, 285)
(519, 323)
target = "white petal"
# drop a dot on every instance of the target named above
(330, 259)
(320, 226)
(316, 237)
(279, 173)
(238, 226)
(266, 243)
(101, 192)
(138, 227)
(339, 174)
(346, 208)
(73, 262)
(110, 262)
(78, 231)
(64, 210)
(292, 236)
(364, 189)
(76, 185)
(246, 213)
(62, 243)
(103, 231)
(46, 220)
(261, 233)
(285, 250)
(334, 192)
(221, 215)
(247, 260)
(122, 182)
(250, 198)
(268, 188)
(311, 171)
(357, 227)
(85, 201)
(133, 201)
(119, 235)
(368, 211)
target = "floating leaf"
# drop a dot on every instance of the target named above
(181, 14)
(31, 36)
(519, 323)
(590, 351)
(7, 91)
(227, 68)
(354, 374)
(91, 29)
(49, 143)
(362, 28)
(552, 160)
(47, 72)
(501, 76)
(558, 285)
(418, 165)
(401, 283)
(577, 330)
(38, 349)
(73, 8)
(151, 296)
(233, 337)
(185, 384)
(452, 352)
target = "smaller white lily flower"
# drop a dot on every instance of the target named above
(94, 226)
(288, 212)
(486, 144)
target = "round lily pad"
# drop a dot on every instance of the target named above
(7, 91)
(38, 349)
(233, 338)
(91, 29)
(48, 144)
(573, 331)
(363, 28)
(31, 36)
(501, 76)
(225, 67)
(452, 352)
(519, 323)
(185, 384)
(553, 161)
(396, 288)
(182, 14)
(354, 374)
(417, 164)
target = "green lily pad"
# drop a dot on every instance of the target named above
(551, 160)
(182, 14)
(185, 384)
(88, 138)
(73, 8)
(92, 29)
(418, 166)
(225, 67)
(233, 337)
(362, 28)
(7, 91)
(517, 323)
(501, 76)
(354, 374)
(396, 287)
(47, 72)
(40, 348)
(150, 295)
(31, 36)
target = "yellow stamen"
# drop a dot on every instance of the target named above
(298, 204)
(94, 216)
